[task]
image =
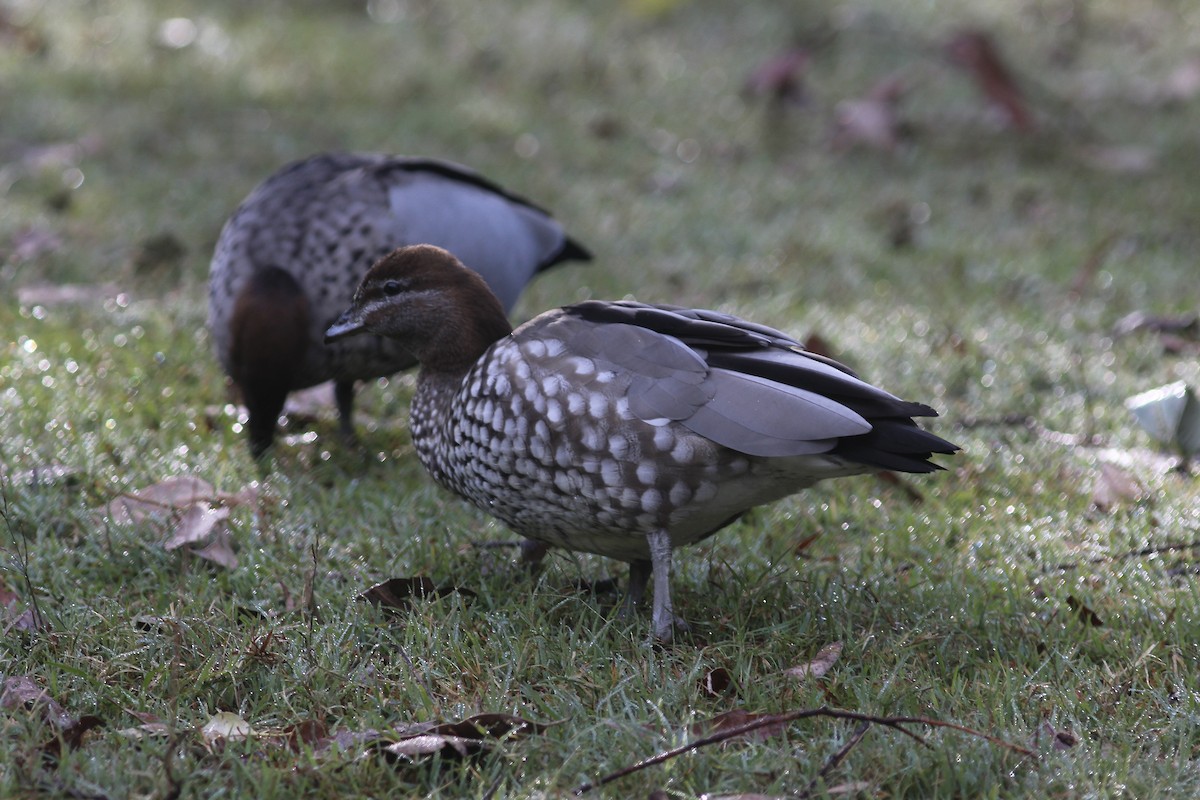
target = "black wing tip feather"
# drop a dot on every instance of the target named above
(571, 250)
(899, 445)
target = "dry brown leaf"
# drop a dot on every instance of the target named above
(977, 53)
(1085, 614)
(61, 294)
(174, 493)
(1059, 739)
(225, 727)
(1120, 159)
(1183, 84)
(821, 663)
(717, 683)
(780, 78)
(736, 718)
(398, 593)
(872, 121)
(151, 727)
(198, 523)
(469, 737)
(22, 692)
(27, 245)
(1113, 485)
(219, 549)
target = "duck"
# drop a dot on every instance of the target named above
(289, 258)
(622, 428)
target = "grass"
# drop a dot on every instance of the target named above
(628, 121)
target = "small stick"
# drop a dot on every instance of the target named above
(837, 758)
(896, 723)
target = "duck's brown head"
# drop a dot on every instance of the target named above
(423, 297)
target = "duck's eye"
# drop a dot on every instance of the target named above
(391, 288)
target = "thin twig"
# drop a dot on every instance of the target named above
(20, 542)
(1130, 554)
(837, 758)
(895, 723)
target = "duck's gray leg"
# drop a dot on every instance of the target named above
(664, 620)
(639, 576)
(343, 395)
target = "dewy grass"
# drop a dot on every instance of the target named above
(998, 595)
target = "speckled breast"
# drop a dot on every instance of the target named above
(546, 442)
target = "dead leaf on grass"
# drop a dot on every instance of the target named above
(1138, 321)
(70, 737)
(871, 121)
(976, 52)
(736, 718)
(458, 740)
(190, 510)
(28, 244)
(1129, 159)
(22, 692)
(1083, 612)
(398, 593)
(780, 78)
(1059, 739)
(225, 727)
(824, 660)
(1114, 485)
(717, 683)
(151, 727)
(197, 524)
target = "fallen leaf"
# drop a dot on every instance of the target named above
(1113, 485)
(21, 692)
(458, 740)
(398, 593)
(28, 244)
(871, 121)
(717, 683)
(151, 727)
(1183, 84)
(310, 732)
(197, 525)
(977, 53)
(736, 718)
(780, 78)
(225, 727)
(70, 737)
(1139, 320)
(170, 494)
(824, 660)
(219, 549)
(1119, 159)
(310, 402)
(1059, 739)
(1085, 614)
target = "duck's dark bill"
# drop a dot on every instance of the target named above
(342, 327)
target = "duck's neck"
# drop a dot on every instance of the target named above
(431, 420)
